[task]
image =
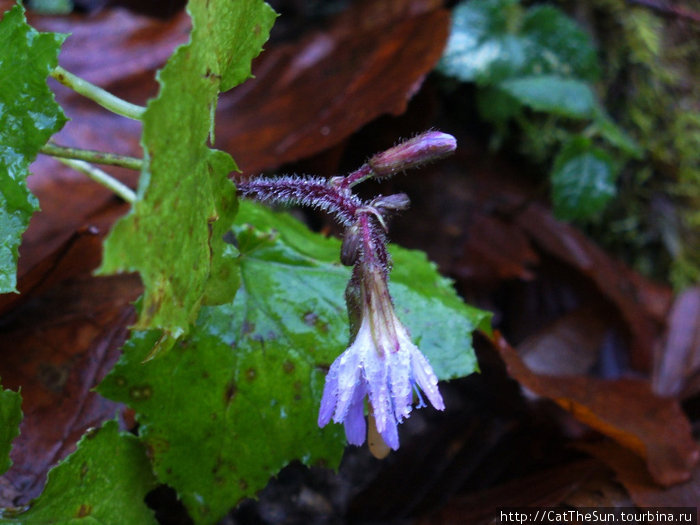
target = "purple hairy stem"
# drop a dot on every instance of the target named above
(306, 191)
(361, 174)
(374, 252)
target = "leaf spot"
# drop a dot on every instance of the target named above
(230, 392)
(247, 327)
(141, 393)
(310, 318)
(84, 511)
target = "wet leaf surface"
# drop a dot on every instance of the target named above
(29, 116)
(173, 234)
(103, 481)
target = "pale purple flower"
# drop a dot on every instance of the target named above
(383, 364)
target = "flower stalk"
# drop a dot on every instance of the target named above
(88, 155)
(381, 368)
(101, 177)
(98, 95)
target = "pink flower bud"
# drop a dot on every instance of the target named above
(421, 149)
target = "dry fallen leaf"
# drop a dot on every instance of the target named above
(677, 360)
(622, 287)
(311, 94)
(56, 349)
(633, 474)
(626, 410)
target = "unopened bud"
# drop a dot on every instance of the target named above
(423, 148)
(391, 203)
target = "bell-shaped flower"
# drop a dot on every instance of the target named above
(381, 363)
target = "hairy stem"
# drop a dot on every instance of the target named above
(97, 157)
(361, 174)
(102, 177)
(97, 94)
(307, 191)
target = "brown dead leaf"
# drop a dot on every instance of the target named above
(636, 299)
(56, 349)
(113, 47)
(569, 346)
(495, 251)
(311, 94)
(626, 410)
(544, 489)
(633, 474)
(80, 253)
(677, 361)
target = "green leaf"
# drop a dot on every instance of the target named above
(52, 7)
(583, 180)
(564, 48)
(496, 106)
(616, 136)
(29, 116)
(439, 321)
(238, 398)
(560, 96)
(10, 418)
(104, 481)
(494, 40)
(174, 234)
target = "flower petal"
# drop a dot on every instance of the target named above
(390, 434)
(349, 369)
(400, 383)
(355, 425)
(375, 373)
(425, 378)
(330, 394)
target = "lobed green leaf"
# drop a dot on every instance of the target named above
(237, 399)
(174, 235)
(104, 481)
(29, 116)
